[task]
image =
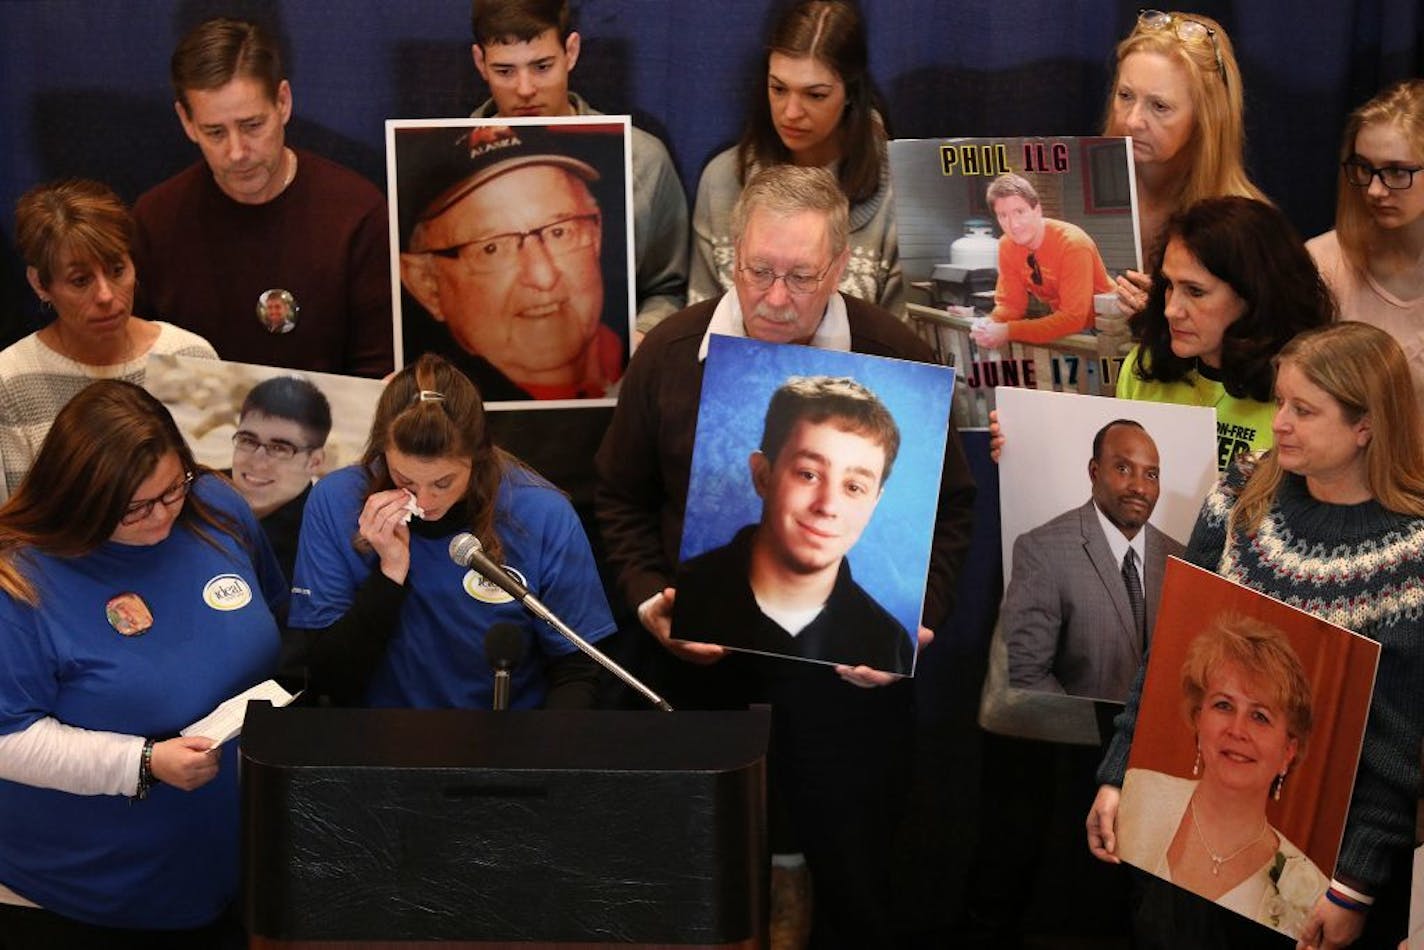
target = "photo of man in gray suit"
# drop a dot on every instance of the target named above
(1082, 597)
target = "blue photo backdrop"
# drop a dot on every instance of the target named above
(891, 560)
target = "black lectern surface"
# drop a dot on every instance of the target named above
(550, 827)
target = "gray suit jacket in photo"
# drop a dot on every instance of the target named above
(1066, 619)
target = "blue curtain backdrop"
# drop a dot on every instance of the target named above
(85, 90)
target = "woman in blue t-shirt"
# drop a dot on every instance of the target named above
(381, 615)
(137, 592)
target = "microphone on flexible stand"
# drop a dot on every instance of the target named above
(467, 551)
(505, 646)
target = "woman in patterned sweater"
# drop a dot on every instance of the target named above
(1331, 521)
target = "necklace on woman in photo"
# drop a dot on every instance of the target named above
(1218, 860)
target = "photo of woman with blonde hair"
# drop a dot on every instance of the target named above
(1330, 521)
(1247, 698)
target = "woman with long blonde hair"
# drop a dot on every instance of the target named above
(1176, 90)
(1330, 521)
(1374, 259)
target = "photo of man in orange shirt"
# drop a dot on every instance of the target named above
(1052, 261)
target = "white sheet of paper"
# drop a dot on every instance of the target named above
(225, 721)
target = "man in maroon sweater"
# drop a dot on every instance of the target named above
(275, 255)
(840, 736)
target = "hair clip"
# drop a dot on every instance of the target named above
(430, 395)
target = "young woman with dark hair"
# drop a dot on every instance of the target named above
(814, 105)
(382, 616)
(137, 592)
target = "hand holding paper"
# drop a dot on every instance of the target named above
(225, 722)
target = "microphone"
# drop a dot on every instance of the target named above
(505, 646)
(467, 551)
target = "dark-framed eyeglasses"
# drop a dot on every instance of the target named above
(797, 284)
(500, 252)
(140, 510)
(1187, 30)
(1034, 273)
(279, 450)
(1360, 173)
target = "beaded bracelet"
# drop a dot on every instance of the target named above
(145, 772)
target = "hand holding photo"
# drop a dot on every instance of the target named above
(1084, 551)
(1248, 737)
(1020, 235)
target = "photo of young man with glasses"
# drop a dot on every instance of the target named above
(278, 449)
(504, 244)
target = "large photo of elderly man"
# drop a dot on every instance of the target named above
(511, 251)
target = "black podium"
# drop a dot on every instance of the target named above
(575, 829)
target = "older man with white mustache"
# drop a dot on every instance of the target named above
(843, 745)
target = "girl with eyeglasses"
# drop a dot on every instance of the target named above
(381, 614)
(1374, 259)
(137, 592)
(76, 237)
(1177, 91)
(813, 104)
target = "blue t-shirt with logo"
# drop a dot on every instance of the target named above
(170, 861)
(435, 658)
